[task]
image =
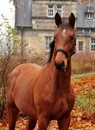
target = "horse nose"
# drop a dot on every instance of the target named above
(59, 66)
(55, 63)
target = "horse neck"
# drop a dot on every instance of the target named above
(59, 79)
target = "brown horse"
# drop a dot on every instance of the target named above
(45, 93)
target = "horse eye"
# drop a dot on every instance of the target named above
(72, 38)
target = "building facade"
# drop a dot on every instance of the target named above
(38, 22)
(85, 26)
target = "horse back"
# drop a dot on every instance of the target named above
(19, 71)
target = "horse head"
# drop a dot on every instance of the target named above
(64, 41)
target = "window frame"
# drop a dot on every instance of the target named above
(49, 10)
(61, 9)
(81, 46)
(88, 15)
(92, 43)
(48, 42)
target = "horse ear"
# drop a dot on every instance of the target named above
(58, 19)
(72, 20)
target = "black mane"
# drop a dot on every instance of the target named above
(51, 46)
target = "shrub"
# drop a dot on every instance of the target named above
(10, 56)
(83, 63)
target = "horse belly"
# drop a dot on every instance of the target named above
(24, 99)
(25, 105)
(21, 84)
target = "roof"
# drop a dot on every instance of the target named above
(89, 8)
(23, 15)
(54, 0)
(82, 9)
(82, 33)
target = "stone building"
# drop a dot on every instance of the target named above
(36, 22)
(85, 26)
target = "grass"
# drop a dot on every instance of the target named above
(85, 102)
(4, 128)
(85, 93)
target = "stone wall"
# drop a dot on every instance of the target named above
(86, 41)
(42, 25)
(36, 40)
(40, 19)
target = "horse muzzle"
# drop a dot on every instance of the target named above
(60, 67)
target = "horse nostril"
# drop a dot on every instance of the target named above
(59, 66)
(55, 63)
(63, 63)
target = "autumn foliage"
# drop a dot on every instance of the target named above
(83, 114)
(88, 1)
(16, 2)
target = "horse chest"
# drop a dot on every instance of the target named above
(55, 110)
(57, 107)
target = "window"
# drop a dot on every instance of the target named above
(59, 10)
(92, 45)
(80, 46)
(50, 11)
(89, 12)
(89, 15)
(47, 42)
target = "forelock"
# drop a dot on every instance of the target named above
(64, 25)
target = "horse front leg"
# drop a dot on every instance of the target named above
(43, 122)
(31, 124)
(64, 123)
